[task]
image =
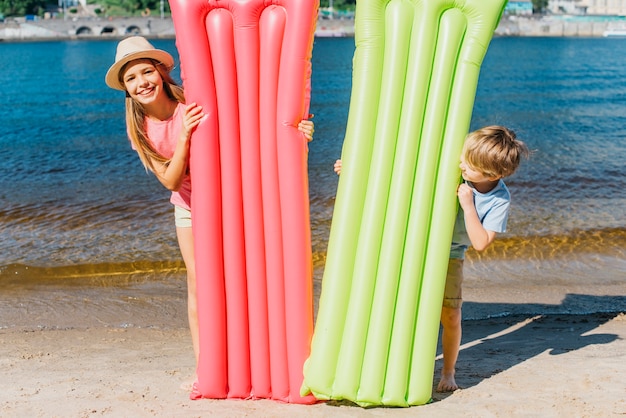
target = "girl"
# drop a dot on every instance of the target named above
(159, 125)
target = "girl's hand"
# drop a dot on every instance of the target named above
(466, 196)
(191, 119)
(337, 167)
(307, 128)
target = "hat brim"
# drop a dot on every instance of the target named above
(112, 78)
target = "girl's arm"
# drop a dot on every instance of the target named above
(480, 237)
(171, 175)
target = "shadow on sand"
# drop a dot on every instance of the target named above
(511, 340)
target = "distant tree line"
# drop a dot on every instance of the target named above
(539, 6)
(22, 7)
(339, 4)
(133, 7)
(119, 7)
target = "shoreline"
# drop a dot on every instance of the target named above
(93, 28)
(158, 299)
(506, 280)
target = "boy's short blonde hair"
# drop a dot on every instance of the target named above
(494, 151)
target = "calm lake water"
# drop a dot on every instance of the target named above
(78, 209)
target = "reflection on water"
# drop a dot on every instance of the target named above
(578, 244)
(583, 258)
(96, 275)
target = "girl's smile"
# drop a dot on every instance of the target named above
(142, 81)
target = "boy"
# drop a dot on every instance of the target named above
(489, 155)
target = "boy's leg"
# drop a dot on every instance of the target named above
(450, 343)
(451, 324)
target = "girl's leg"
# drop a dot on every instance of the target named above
(185, 242)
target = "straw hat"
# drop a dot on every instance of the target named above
(133, 48)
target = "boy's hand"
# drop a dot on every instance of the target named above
(466, 196)
(337, 167)
(478, 235)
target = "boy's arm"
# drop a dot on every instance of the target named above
(480, 237)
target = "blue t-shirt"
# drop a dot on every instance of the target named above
(493, 212)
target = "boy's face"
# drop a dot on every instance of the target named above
(472, 175)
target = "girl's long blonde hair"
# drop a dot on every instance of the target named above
(135, 118)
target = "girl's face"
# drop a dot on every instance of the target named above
(142, 81)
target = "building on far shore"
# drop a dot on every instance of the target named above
(564, 18)
(519, 8)
(588, 7)
(604, 7)
(569, 7)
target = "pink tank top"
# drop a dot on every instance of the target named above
(164, 137)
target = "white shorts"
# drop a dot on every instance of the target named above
(182, 217)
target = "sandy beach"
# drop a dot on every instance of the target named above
(522, 363)
(554, 366)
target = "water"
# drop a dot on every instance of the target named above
(569, 198)
(81, 219)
